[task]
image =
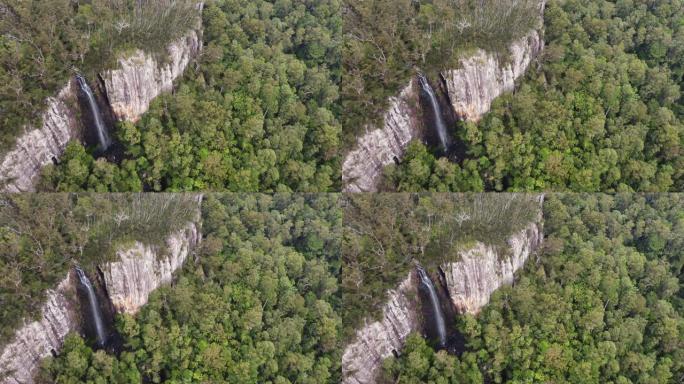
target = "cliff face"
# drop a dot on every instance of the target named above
(129, 282)
(470, 283)
(363, 166)
(141, 77)
(38, 147)
(483, 269)
(129, 90)
(38, 339)
(140, 270)
(471, 89)
(486, 76)
(379, 340)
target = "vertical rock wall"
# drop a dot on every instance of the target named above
(378, 148)
(140, 269)
(38, 339)
(379, 340)
(38, 147)
(141, 77)
(129, 90)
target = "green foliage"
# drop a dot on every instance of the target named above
(43, 235)
(384, 233)
(258, 112)
(386, 40)
(604, 113)
(260, 305)
(604, 304)
(43, 41)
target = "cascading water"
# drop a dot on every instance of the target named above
(440, 126)
(95, 313)
(437, 314)
(102, 135)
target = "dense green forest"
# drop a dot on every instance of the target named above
(604, 113)
(42, 236)
(387, 41)
(43, 42)
(258, 112)
(384, 233)
(603, 304)
(258, 305)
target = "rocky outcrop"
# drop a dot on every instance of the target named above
(485, 76)
(39, 339)
(471, 90)
(378, 148)
(129, 282)
(129, 90)
(381, 339)
(141, 269)
(470, 282)
(485, 268)
(39, 147)
(142, 77)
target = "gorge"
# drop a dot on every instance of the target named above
(470, 88)
(474, 274)
(125, 285)
(128, 89)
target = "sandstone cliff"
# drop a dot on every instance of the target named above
(129, 90)
(142, 77)
(471, 90)
(38, 147)
(129, 282)
(470, 282)
(379, 340)
(140, 269)
(39, 339)
(485, 76)
(484, 268)
(378, 148)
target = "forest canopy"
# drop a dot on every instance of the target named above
(610, 284)
(257, 112)
(258, 305)
(42, 236)
(604, 113)
(43, 42)
(387, 41)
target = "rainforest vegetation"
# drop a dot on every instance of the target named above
(258, 304)
(604, 113)
(257, 112)
(43, 42)
(42, 236)
(384, 233)
(387, 41)
(604, 303)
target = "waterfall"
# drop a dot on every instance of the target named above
(94, 307)
(102, 135)
(440, 126)
(438, 316)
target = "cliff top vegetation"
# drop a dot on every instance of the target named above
(43, 235)
(42, 42)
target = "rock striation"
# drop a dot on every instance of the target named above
(485, 76)
(128, 282)
(39, 339)
(38, 147)
(379, 340)
(141, 77)
(470, 282)
(140, 269)
(129, 90)
(471, 90)
(485, 268)
(378, 148)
